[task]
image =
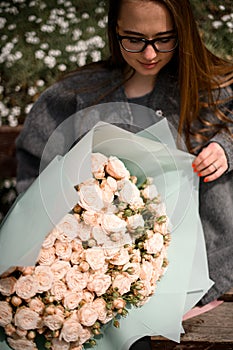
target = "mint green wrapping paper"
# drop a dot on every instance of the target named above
(150, 153)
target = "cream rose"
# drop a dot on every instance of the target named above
(99, 283)
(122, 282)
(95, 258)
(7, 285)
(119, 303)
(63, 250)
(113, 224)
(37, 305)
(99, 305)
(19, 344)
(135, 221)
(59, 269)
(83, 337)
(129, 193)
(26, 318)
(117, 169)
(87, 315)
(146, 270)
(51, 238)
(58, 289)
(121, 257)
(58, 344)
(71, 330)
(84, 231)
(76, 280)
(90, 217)
(98, 163)
(44, 276)
(46, 256)
(68, 226)
(54, 321)
(133, 270)
(154, 244)
(5, 313)
(72, 299)
(91, 197)
(26, 286)
(150, 192)
(99, 235)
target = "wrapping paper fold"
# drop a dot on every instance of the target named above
(149, 153)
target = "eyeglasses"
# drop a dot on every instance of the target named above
(134, 44)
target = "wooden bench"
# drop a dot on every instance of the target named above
(7, 151)
(212, 330)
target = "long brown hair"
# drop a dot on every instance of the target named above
(200, 72)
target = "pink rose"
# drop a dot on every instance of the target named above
(26, 319)
(84, 231)
(95, 258)
(122, 283)
(63, 250)
(99, 305)
(113, 224)
(37, 305)
(146, 270)
(58, 289)
(59, 269)
(68, 228)
(99, 283)
(99, 235)
(71, 330)
(76, 280)
(87, 315)
(46, 256)
(90, 217)
(5, 313)
(54, 321)
(129, 193)
(150, 192)
(117, 169)
(26, 287)
(72, 299)
(44, 277)
(134, 221)
(88, 296)
(121, 257)
(134, 270)
(91, 197)
(154, 244)
(58, 344)
(50, 238)
(98, 163)
(119, 303)
(7, 285)
(19, 344)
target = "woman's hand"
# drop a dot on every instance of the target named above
(211, 162)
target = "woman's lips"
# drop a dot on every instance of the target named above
(149, 65)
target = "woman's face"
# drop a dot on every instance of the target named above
(149, 20)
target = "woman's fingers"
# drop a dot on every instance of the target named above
(211, 162)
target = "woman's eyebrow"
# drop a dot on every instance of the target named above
(131, 32)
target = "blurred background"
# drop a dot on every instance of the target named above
(43, 40)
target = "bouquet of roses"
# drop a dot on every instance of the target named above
(107, 254)
(107, 244)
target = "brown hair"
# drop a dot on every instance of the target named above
(200, 72)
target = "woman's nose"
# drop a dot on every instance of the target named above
(149, 53)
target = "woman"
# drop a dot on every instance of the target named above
(158, 60)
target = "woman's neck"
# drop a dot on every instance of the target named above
(139, 85)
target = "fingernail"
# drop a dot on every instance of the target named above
(195, 170)
(193, 165)
(199, 174)
(206, 180)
